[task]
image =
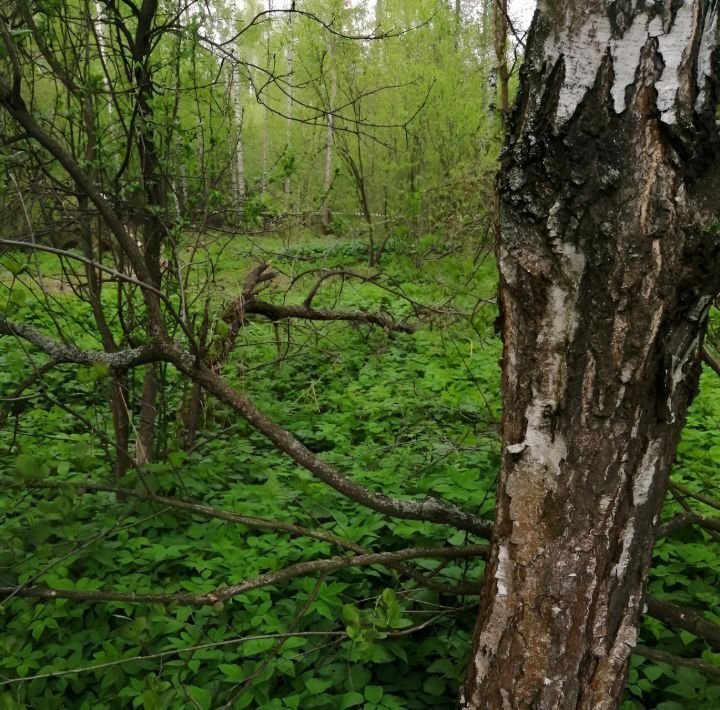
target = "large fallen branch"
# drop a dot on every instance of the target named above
(684, 618)
(62, 352)
(206, 511)
(249, 303)
(429, 509)
(673, 661)
(222, 594)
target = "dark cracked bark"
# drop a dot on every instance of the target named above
(609, 262)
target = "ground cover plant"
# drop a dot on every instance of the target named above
(415, 412)
(301, 406)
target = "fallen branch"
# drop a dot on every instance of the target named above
(684, 520)
(222, 594)
(684, 492)
(661, 657)
(206, 511)
(429, 509)
(248, 303)
(276, 313)
(684, 618)
(61, 352)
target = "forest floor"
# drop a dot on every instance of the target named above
(409, 414)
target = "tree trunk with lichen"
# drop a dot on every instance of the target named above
(608, 260)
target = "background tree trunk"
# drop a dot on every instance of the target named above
(239, 106)
(500, 39)
(608, 269)
(329, 140)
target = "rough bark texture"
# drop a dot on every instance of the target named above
(608, 264)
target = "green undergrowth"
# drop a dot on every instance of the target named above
(406, 414)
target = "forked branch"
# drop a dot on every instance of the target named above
(429, 509)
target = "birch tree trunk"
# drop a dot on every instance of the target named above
(237, 93)
(608, 265)
(266, 112)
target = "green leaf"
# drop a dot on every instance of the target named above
(201, 696)
(27, 465)
(134, 629)
(351, 614)
(350, 700)
(434, 685)
(233, 673)
(687, 638)
(652, 672)
(318, 685)
(373, 693)
(12, 263)
(256, 646)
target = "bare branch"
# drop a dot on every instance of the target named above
(35, 376)
(674, 661)
(206, 511)
(60, 352)
(203, 510)
(328, 26)
(248, 303)
(684, 618)
(684, 520)
(429, 508)
(682, 491)
(223, 594)
(275, 313)
(710, 361)
(170, 653)
(18, 244)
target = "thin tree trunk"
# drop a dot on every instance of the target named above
(288, 131)
(608, 269)
(329, 143)
(237, 94)
(240, 188)
(146, 419)
(500, 36)
(92, 240)
(458, 23)
(266, 114)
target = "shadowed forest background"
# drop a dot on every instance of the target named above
(312, 195)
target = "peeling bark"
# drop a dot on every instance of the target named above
(608, 267)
